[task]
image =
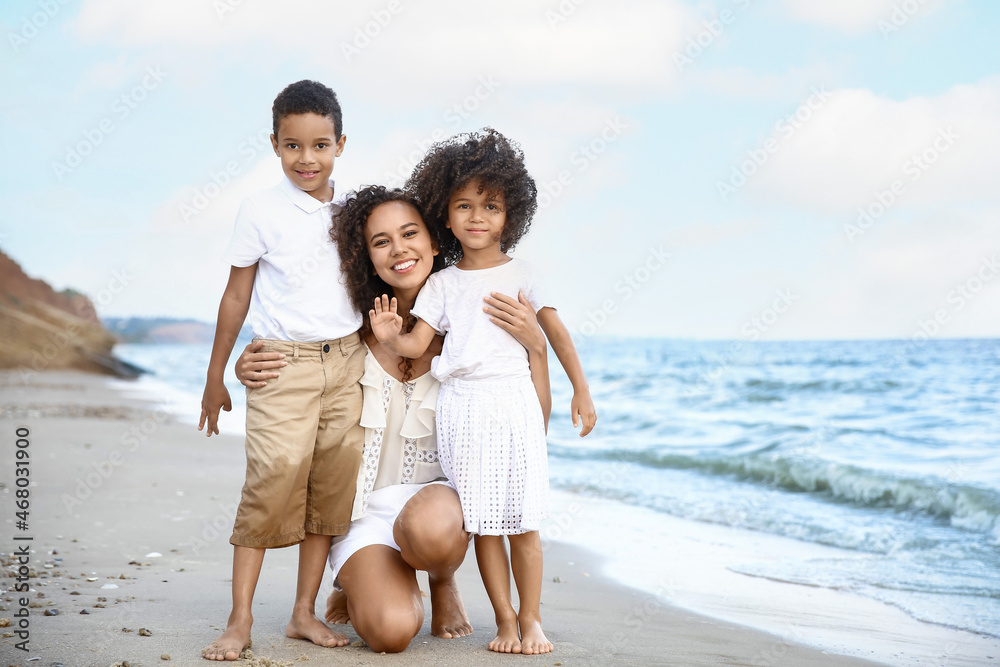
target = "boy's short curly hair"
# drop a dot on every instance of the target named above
(487, 156)
(307, 97)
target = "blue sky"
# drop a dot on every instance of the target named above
(703, 165)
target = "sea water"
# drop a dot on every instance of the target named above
(888, 450)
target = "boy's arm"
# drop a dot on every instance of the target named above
(582, 407)
(232, 313)
(518, 319)
(387, 326)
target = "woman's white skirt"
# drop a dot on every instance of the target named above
(491, 444)
(375, 527)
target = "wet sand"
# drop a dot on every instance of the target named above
(130, 518)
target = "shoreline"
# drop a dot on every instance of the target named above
(115, 481)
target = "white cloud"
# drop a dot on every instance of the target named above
(421, 45)
(744, 83)
(856, 16)
(846, 151)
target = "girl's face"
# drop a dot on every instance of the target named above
(399, 245)
(475, 217)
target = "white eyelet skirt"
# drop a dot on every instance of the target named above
(491, 444)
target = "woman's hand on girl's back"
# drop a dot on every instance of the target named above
(516, 317)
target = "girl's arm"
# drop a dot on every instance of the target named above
(518, 319)
(582, 407)
(387, 325)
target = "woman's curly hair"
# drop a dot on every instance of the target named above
(348, 233)
(487, 156)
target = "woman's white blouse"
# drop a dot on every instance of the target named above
(400, 437)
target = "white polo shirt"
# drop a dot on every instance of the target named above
(298, 293)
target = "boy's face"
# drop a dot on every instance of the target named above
(307, 146)
(475, 217)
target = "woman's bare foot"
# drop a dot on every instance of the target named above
(231, 644)
(448, 617)
(533, 640)
(336, 608)
(507, 640)
(305, 625)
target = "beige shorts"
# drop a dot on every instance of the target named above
(304, 445)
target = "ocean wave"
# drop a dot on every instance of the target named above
(866, 385)
(966, 507)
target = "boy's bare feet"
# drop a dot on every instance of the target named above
(533, 640)
(506, 640)
(336, 608)
(305, 625)
(448, 617)
(231, 644)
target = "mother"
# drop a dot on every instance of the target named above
(406, 516)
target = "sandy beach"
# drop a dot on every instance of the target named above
(129, 522)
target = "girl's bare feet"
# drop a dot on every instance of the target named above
(231, 644)
(507, 640)
(533, 640)
(305, 625)
(448, 617)
(336, 608)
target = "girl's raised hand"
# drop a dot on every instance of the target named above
(386, 323)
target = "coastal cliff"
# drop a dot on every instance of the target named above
(41, 329)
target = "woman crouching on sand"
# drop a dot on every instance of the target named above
(406, 516)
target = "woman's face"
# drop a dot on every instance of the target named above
(400, 247)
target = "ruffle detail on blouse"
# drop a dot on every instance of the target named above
(372, 412)
(420, 417)
(419, 421)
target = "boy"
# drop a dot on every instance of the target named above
(303, 437)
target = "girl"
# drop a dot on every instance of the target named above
(491, 433)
